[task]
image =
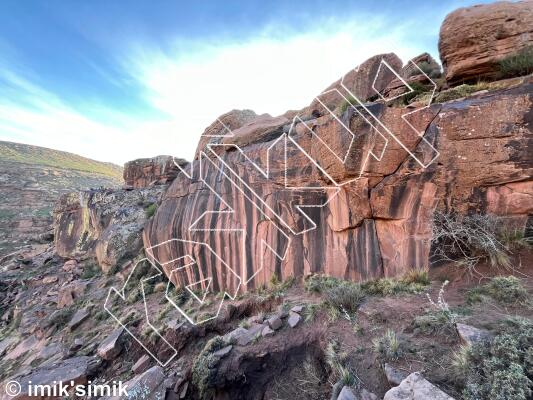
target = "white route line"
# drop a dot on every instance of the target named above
(258, 202)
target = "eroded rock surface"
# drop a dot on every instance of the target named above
(145, 172)
(106, 224)
(381, 224)
(417, 388)
(473, 39)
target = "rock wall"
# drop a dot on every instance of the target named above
(474, 39)
(145, 172)
(378, 225)
(105, 224)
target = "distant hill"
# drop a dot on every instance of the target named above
(28, 154)
(31, 180)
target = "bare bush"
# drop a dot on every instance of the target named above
(468, 240)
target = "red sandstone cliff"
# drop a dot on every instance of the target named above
(378, 225)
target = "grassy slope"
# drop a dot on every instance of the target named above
(23, 153)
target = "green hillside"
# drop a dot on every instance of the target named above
(24, 153)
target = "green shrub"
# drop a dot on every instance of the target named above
(150, 210)
(418, 89)
(346, 103)
(59, 318)
(134, 296)
(434, 321)
(90, 271)
(346, 297)
(501, 369)
(279, 287)
(518, 64)
(461, 91)
(310, 312)
(320, 283)
(204, 366)
(388, 346)
(414, 281)
(504, 289)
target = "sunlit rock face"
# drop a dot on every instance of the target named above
(474, 39)
(377, 225)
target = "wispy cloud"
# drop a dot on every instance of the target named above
(271, 72)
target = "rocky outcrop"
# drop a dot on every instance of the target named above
(360, 81)
(474, 39)
(415, 72)
(105, 224)
(70, 372)
(145, 172)
(416, 387)
(31, 180)
(223, 128)
(378, 225)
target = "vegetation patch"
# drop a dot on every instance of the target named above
(414, 281)
(503, 289)
(467, 240)
(22, 153)
(347, 103)
(461, 91)
(150, 210)
(387, 347)
(90, 270)
(344, 297)
(518, 64)
(502, 369)
(418, 89)
(204, 366)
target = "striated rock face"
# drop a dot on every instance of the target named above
(145, 172)
(378, 225)
(474, 39)
(105, 224)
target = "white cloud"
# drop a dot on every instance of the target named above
(191, 90)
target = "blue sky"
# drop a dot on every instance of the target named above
(118, 80)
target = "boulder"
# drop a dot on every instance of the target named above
(470, 335)
(30, 343)
(263, 128)
(275, 322)
(70, 265)
(297, 309)
(76, 345)
(474, 39)
(240, 336)
(347, 394)
(76, 371)
(394, 376)
(379, 225)
(224, 126)
(412, 75)
(148, 385)
(359, 81)
(68, 293)
(223, 352)
(267, 331)
(366, 395)
(145, 172)
(294, 319)
(141, 364)
(111, 347)
(78, 318)
(417, 388)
